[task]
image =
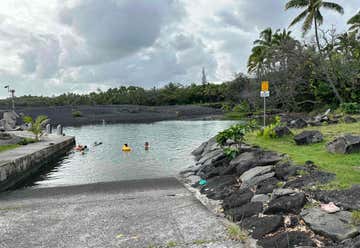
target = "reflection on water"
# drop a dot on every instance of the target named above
(171, 143)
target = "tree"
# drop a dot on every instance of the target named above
(35, 126)
(355, 22)
(312, 14)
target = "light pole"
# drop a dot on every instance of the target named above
(12, 94)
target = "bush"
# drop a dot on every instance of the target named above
(76, 114)
(269, 131)
(235, 132)
(242, 107)
(231, 152)
(350, 108)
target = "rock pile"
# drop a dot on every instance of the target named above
(264, 193)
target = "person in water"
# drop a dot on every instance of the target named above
(126, 148)
(147, 146)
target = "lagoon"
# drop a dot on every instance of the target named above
(171, 144)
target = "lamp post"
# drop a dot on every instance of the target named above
(12, 94)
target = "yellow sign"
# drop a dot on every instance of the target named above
(265, 86)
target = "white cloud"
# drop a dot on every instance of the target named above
(54, 46)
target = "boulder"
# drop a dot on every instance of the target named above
(284, 170)
(267, 186)
(247, 210)
(198, 151)
(211, 156)
(282, 131)
(255, 180)
(344, 144)
(348, 199)
(238, 198)
(248, 160)
(282, 192)
(298, 123)
(260, 226)
(336, 226)
(256, 171)
(308, 137)
(9, 139)
(260, 198)
(286, 204)
(349, 119)
(313, 177)
(220, 187)
(286, 240)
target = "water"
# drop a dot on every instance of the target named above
(171, 144)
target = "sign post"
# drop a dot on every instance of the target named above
(265, 93)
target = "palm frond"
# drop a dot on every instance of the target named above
(333, 6)
(296, 4)
(299, 18)
(355, 19)
(319, 17)
(308, 23)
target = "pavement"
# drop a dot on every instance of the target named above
(138, 213)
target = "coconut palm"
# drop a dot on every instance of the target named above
(311, 14)
(355, 22)
(281, 36)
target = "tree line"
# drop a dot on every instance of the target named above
(303, 75)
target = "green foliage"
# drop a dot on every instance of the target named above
(350, 108)
(76, 114)
(231, 152)
(36, 126)
(171, 244)
(242, 107)
(235, 133)
(269, 131)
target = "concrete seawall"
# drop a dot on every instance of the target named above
(17, 164)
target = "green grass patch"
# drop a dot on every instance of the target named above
(8, 147)
(235, 115)
(346, 167)
(235, 232)
(355, 217)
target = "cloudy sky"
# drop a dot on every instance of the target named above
(48, 47)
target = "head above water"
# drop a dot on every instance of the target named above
(126, 145)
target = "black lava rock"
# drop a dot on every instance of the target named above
(286, 204)
(247, 210)
(261, 226)
(287, 240)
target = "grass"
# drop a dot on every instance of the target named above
(355, 217)
(236, 233)
(8, 147)
(346, 167)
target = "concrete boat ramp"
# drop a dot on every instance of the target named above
(141, 213)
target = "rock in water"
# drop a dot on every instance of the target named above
(337, 226)
(344, 144)
(308, 137)
(198, 151)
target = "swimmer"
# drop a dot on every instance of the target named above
(79, 148)
(147, 146)
(126, 148)
(97, 143)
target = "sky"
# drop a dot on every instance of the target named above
(56, 46)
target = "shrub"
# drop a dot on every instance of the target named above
(36, 126)
(235, 133)
(26, 141)
(242, 107)
(350, 108)
(231, 152)
(269, 131)
(76, 114)
(355, 217)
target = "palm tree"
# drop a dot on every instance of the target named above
(281, 36)
(355, 22)
(311, 14)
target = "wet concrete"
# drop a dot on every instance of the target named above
(140, 213)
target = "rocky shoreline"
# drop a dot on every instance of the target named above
(276, 202)
(96, 114)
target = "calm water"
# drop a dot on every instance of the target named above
(171, 144)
